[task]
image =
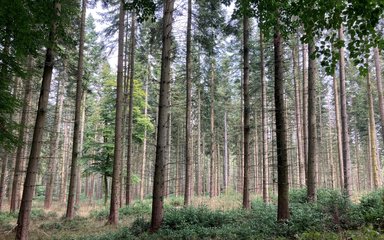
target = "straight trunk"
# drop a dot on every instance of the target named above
(188, 122)
(70, 214)
(118, 151)
(161, 147)
(281, 131)
(305, 108)
(212, 192)
(225, 160)
(54, 144)
(344, 122)
(144, 159)
(312, 131)
(3, 177)
(338, 129)
(298, 117)
(246, 112)
(34, 157)
(264, 123)
(372, 138)
(200, 170)
(23, 138)
(128, 189)
(379, 88)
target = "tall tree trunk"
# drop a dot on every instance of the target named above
(81, 144)
(299, 124)
(161, 147)
(3, 177)
(64, 169)
(76, 130)
(188, 123)
(212, 192)
(281, 130)
(372, 137)
(118, 153)
(338, 129)
(23, 138)
(54, 143)
(379, 88)
(200, 168)
(344, 122)
(128, 189)
(312, 131)
(246, 111)
(305, 107)
(144, 159)
(33, 163)
(264, 124)
(225, 160)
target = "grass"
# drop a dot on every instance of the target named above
(332, 217)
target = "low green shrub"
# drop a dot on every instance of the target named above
(101, 214)
(136, 208)
(372, 208)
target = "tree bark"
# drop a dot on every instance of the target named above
(338, 129)
(161, 147)
(281, 130)
(54, 143)
(344, 123)
(3, 177)
(264, 120)
(200, 169)
(246, 112)
(144, 159)
(212, 192)
(116, 174)
(76, 130)
(188, 122)
(372, 137)
(30, 179)
(305, 107)
(23, 138)
(312, 131)
(128, 189)
(299, 124)
(379, 83)
(225, 160)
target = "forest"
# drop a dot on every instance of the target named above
(191, 119)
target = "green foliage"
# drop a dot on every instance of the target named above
(101, 214)
(136, 208)
(372, 208)
(139, 226)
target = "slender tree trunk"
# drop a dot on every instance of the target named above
(63, 184)
(264, 124)
(118, 151)
(212, 192)
(200, 169)
(372, 137)
(281, 130)
(128, 189)
(225, 160)
(299, 124)
(379, 88)
(246, 112)
(143, 163)
(344, 122)
(76, 130)
(305, 107)
(312, 131)
(3, 177)
(54, 144)
(81, 144)
(188, 122)
(161, 147)
(338, 129)
(33, 163)
(23, 138)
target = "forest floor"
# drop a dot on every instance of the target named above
(332, 217)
